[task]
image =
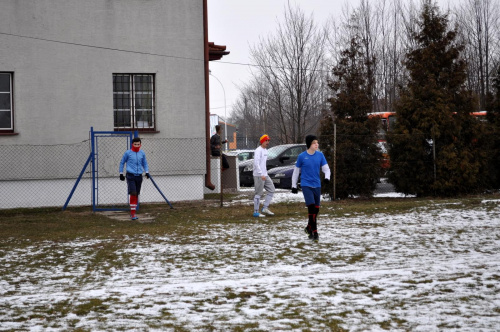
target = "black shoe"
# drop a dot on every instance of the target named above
(315, 237)
(308, 232)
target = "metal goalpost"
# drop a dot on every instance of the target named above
(104, 158)
(106, 150)
(101, 174)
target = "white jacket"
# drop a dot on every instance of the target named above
(259, 162)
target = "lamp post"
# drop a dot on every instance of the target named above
(225, 116)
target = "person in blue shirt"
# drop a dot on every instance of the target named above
(136, 162)
(308, 165)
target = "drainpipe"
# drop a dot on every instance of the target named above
(208, 182)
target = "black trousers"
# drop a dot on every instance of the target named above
(134, 183)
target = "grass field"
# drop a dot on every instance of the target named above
(381, 264)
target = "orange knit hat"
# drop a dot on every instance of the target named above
(264, 138)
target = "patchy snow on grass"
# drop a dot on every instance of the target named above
(432, 269)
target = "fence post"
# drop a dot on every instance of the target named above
(93, 169)
(221, 188)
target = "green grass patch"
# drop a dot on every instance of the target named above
(40, 236)
(356, 258)
(92, 305)
(22, 227)
(416, 282)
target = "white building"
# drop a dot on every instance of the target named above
(67, 66)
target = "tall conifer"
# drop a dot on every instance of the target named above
(434, 146)
(494, 133)
(357, 153)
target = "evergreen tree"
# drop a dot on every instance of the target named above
(493, 139)
(434, 147)
(358, 156)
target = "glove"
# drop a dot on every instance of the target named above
(294, 190)
(147, 175)
(326, 182)
(122, 177)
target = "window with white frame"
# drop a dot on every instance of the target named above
(133, 101)
(6, 118)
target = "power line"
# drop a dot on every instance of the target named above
(148, 53)
(169, 56)
(216, 108)
(99, 47)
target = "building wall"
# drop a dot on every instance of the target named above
(55, 193)
(63, 55)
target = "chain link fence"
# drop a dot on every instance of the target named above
(382, 187)
(283, 178)
(44, 175)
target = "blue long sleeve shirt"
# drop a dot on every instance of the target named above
(136, 162)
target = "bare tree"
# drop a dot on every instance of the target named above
(250, 111)
(384, 31)
(478, 21)
(288, 90)
(395, 26)
(290, 67)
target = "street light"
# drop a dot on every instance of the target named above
(225, 117)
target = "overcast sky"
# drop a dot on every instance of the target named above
(238, 24)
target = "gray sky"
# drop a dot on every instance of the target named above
(238, 24)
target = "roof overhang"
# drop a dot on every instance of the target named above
(216, 52)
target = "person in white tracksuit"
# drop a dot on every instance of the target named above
(261, 179)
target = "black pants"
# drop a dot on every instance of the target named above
(134, 183)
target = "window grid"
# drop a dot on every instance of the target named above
(6, 109)
(133, 101)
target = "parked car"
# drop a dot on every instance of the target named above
(282, 176)
(242, 154)
(280, 155)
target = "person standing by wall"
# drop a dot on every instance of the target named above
(136, 162)
(261, 179)
(216, 144)
(308, 165)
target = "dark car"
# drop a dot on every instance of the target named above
(282, 176)
(280, 155)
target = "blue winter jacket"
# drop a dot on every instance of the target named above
(136, 162)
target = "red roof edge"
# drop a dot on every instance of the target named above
(216, 52)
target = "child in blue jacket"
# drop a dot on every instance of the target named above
(136, 162)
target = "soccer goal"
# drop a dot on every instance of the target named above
(106, 150)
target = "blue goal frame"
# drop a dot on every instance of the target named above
(94, 160)
(95, 135)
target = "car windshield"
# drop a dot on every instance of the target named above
(244, 156)
(275, 151)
